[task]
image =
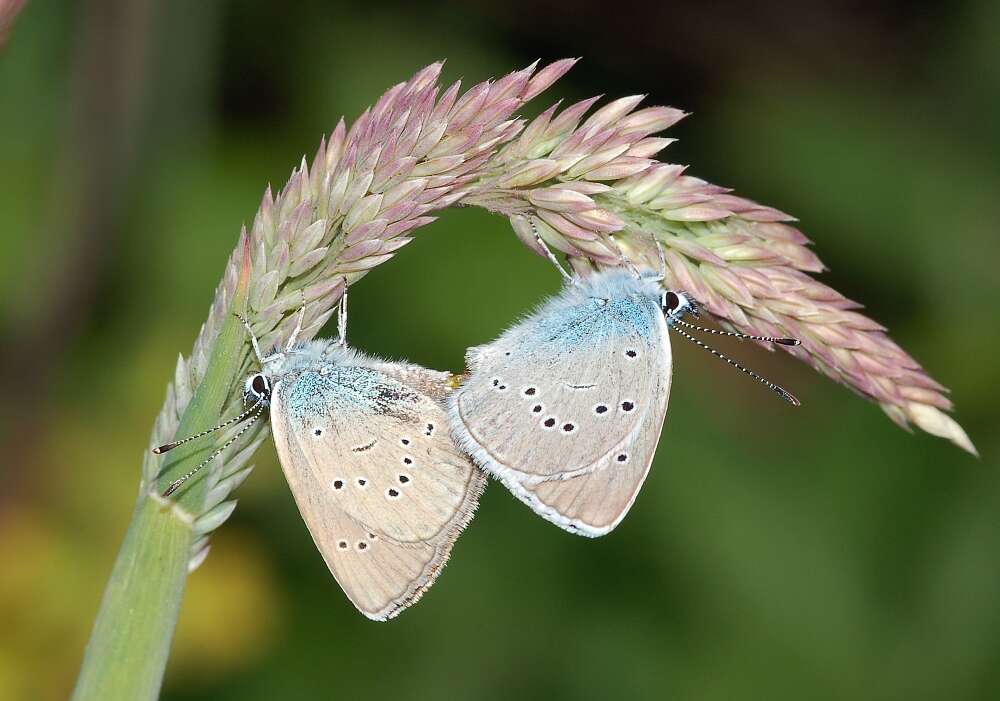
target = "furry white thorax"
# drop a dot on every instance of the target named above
(608, 284)
(307, 355)
(310, 354)
(618, 282)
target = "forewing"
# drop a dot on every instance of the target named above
(593, 503)
(384, 550)
(379, 576)
(381, 449)
(557, 394)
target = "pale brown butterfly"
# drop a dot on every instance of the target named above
(365, 448)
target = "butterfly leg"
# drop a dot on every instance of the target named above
(342, 317)
(663, 260)
(253, 339)
(624, 259)
(552, 259)
(298, 325)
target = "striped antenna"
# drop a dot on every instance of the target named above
(175, 485)
(787, 396)
(735, 334)
(159, 450)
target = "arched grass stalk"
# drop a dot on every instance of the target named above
(589, 187)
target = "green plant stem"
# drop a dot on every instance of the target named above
(130, 642)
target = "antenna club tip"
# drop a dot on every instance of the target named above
(172, 488)
(160, 449)
(788, 341)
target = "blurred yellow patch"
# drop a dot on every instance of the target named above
(230, 613)
(44, 582)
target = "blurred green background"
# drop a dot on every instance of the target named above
(819, 553)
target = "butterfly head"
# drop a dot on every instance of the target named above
(257, 389)
(677, 304)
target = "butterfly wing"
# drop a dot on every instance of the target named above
(563, 394)
(385, 528)
(593, 503)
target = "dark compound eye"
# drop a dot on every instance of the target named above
(671, 301)
(259, 384)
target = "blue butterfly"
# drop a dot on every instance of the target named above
(566, 407)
